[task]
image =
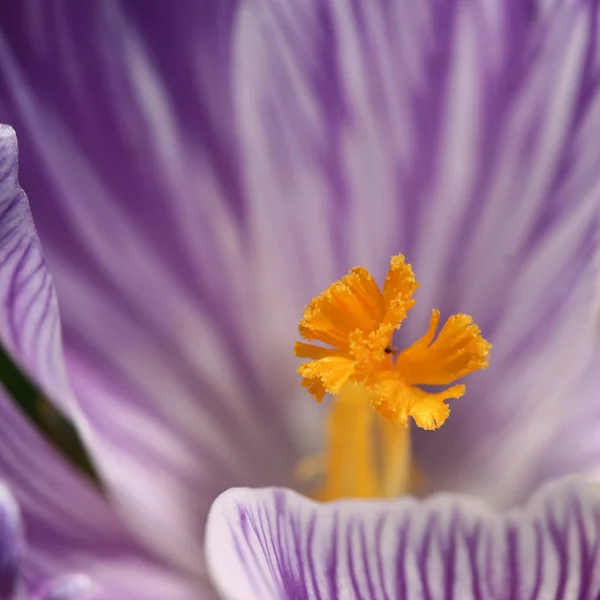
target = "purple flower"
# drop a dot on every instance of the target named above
(196, 176)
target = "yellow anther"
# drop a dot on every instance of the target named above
(458, 350)
(355, 321)
(396, 401)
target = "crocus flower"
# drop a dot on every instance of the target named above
(196, 175)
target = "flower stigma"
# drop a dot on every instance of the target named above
(376, 388)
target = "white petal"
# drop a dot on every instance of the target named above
(271, 544)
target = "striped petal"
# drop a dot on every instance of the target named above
(69, 527)
(520, 251)
(130, 168)
(463, 134)
(29, 323)
(272, 544)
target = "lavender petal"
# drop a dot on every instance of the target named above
(156, 302)
(11, 545)
(273, 544)
(464, 135)
(69, 526)
(29, 323)
(69, 587)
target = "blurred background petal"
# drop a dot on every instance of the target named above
(68, 525)
(11, 545)
(69, 587)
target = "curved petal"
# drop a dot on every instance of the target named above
(272, 543)
(357, 138)
(462, 134)
(69, 526)
(29, 324)
(11, 545)
(69, 587)
(132, 131)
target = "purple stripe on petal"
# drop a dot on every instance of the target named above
(162, 330)
(447, 547)
(466, 135)
(240, 160)
(29, 325)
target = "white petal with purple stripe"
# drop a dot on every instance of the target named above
(273, 544)
(29, 322)
(69, 526)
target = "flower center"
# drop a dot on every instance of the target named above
(366, 455)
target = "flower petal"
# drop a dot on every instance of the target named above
(463, 134)
(69, 587)
(272, 543)
(69, 526)
(61, 538)
(29, 324)
(178, 397)
(520, 251)
(345, 165)
(11, 544)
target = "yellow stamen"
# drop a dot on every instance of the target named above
(398, 289)
(396, 469)
(458, 350)
(396, 401)
(349, 467)
(357, 320)
(359, 364)
(365, 456)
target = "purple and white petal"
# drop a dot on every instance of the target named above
(29, 322)
(463, 134)
(525, 248)
(69, 526)
(355, 127)
(11, 545)
(273, 544)
(69, 587)
(124, 117)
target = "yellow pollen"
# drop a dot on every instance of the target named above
(353, 322)
(356, 320)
